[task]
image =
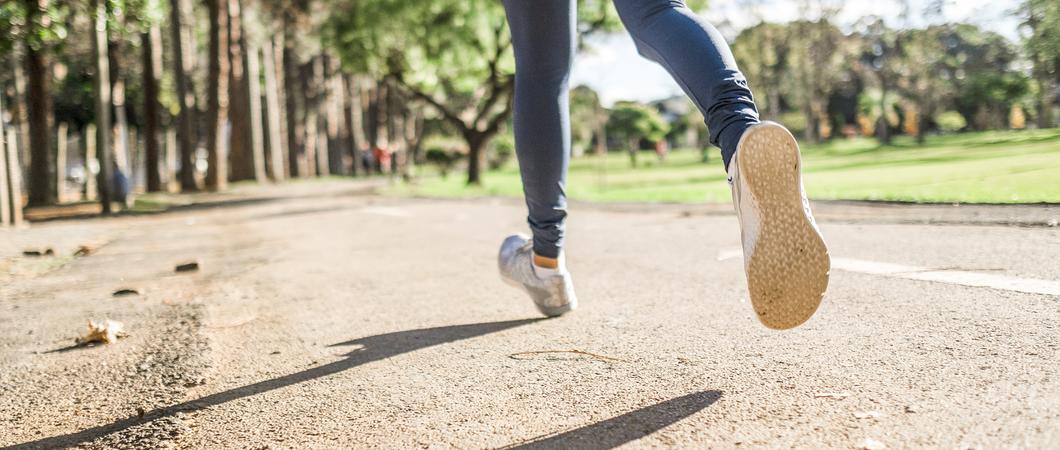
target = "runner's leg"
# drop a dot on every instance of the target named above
(543, 36)
(697, 56)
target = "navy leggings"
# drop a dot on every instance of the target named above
(665, 31)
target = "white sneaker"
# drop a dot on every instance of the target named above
(785, 256)
(553, 295)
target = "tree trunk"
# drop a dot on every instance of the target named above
(634, 144)
(395, 130)
(152, 64)
(475, 143)
(136, 159)
(5, 196)
(309, 119)
(811, 122)
(186, 100)
(38, 99)
(241, 152)
(319, 88)
(309, 160)
(413, 133)
(272, 105)
(338, 132)
(884, 127)
(1045, 102)
(61, 136)
(91, 163)
(14, 177)
(217, 95)
(923, 120)
(172, 156)
(372, 117)
(103, 104)
(257, 134)
(354, 112)
(121, 120)
(598, 129)
(773, 110)
(19, 112)
(295, 130)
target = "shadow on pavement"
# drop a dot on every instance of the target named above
(373, 348)
(628, 427)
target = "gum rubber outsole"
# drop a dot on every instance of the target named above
(787, 274)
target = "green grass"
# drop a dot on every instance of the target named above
(990, 167)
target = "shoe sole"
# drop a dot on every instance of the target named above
(787, 274)
(546, 310)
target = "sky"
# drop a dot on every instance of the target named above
(613, 68)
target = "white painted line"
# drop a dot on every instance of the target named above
(959, 277)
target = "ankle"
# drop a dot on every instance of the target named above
(546, 263)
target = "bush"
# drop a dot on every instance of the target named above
(795, 121)
(503, 150)
(442, 158)
(951, 121)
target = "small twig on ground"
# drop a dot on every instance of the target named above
(577, 352)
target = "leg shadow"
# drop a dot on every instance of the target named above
(628, 427)
(372, 348)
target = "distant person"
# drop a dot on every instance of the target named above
(785, 257)
(121, 187)
(662, 148)
(382, 158)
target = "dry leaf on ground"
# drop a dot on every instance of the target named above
(106, 332)
(84, 250)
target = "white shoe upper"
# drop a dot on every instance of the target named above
(553, 295)
(746, 210)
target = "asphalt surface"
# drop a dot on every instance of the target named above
(325, 317)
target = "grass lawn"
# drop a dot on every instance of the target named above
(990, 167)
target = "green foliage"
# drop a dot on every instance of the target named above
(1041, 28)
(444, 48)
(795, 121)
(951, 121)
(131, 17)
(35, 28)
(633, 121)
(869, 106)
(443, 159)
(763, 52)
(586, 115)
(503, 151)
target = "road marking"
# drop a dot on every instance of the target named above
(959, 277)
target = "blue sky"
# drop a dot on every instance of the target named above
(612, 67)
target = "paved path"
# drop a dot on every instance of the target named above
(324, 317)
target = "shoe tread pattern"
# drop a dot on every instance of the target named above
(788, 270)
